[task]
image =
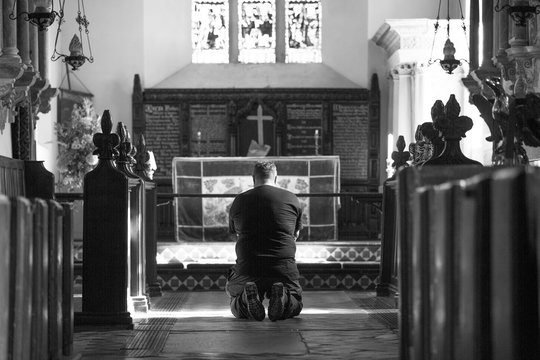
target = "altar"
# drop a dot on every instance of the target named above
(205, 219)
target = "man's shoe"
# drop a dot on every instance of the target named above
(277, 302)
(254, 305)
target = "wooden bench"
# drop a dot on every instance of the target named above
(37, 265)
(469, 257)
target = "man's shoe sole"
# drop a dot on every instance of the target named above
(254, 305)
(276, 307)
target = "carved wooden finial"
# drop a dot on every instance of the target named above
(452, 129)
(126, 147)
(400, 156)
(106, 142)
(144, 165)
(446, 119)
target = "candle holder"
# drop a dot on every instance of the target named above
(316, 142)
(198, 143)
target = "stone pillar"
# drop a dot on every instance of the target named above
(34, 47)
(402, 101)
(23, 84)
(519, 33)
(503, 30)
(487, 21)
(419, 108)
(23, 33)
(473, 35)
(43, 57)
(47, 93)
(9, 33)
(11, 67)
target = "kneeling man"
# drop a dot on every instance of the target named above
(267, 221)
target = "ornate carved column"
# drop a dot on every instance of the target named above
(408, 44)
(22, 85)
(487, 21)
(22, 133)
(47, 92)
(11, 67)
(401, 106)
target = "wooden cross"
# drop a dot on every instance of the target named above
(260, 118)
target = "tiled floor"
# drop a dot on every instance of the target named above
(199, 325)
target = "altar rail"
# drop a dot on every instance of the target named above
(36, 266)
(359, 216)
(469, 263)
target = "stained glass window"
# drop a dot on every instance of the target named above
(256, 31)
(210, 31)
(253, 27)
(303, 34)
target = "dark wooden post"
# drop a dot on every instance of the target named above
(55, 280)
(106, 266)
(472, 241)
(388, 271)
(67, 279)
(452, 127)
(5, 218)
(514, 270)
(40, 259)
(137, 220)
(143, 168)
(20, 293)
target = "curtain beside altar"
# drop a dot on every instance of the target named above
(206, 219)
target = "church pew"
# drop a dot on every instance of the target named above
(514, 271)
(20, 278)
(55, 279)
(40, 258)
(21, 180)
(474, 268)
(5, 245)
(408, 232)
(67, 280)
(472, 253)
(441, 260)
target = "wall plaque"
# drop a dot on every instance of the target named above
(351, 135)
(163, 135)
(304, 129)
(209, 130)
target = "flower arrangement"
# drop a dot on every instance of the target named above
(75, 146)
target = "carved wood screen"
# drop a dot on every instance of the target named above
(215, 122)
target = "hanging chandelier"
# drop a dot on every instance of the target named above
(448, 63)
(77, 56)
(43, 14)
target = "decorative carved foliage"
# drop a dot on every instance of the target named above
(451, 128)
(446, 119)
(400, 156)
(125, 146)
(106, 142)
(142, 158)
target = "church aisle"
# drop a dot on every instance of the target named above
(199, 325)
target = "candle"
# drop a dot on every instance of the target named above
(316, 141)
(199, 143)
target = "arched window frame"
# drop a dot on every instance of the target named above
(233, 36)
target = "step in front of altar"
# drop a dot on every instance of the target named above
(336, 265)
